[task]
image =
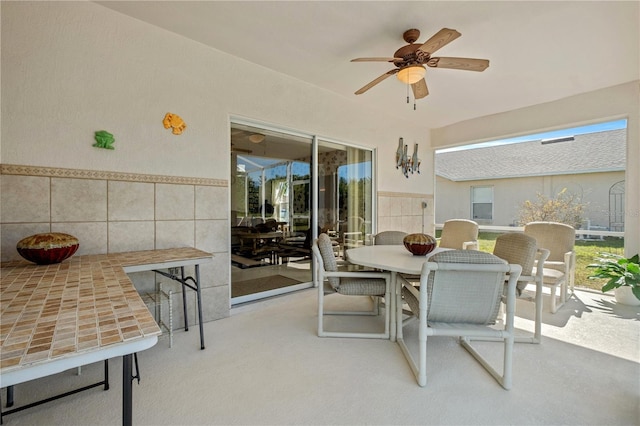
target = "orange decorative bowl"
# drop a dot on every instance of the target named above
(419, 244)
(51, 247)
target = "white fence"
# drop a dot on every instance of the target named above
(582, 234)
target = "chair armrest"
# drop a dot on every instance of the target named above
(363, 274)
(470, 245)
(541, 257)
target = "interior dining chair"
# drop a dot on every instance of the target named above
(389, 238)
(459, 234)
(348, 283)
(559, 269)
(521, 249)
(459, 296)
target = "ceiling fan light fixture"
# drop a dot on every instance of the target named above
(256, 138)
(411, 74)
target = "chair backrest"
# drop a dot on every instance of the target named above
(465, 288)
(323, 251)
(517, 248)
(389, 238)
(556, 237)
(456, 232)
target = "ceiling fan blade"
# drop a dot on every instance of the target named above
(376, 81)
(440, 39)
(468, 64)
(376, 60)
(420, 89)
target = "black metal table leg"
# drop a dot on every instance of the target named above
(184, 299)
(199, 294)
(9, 396)
(127, 390)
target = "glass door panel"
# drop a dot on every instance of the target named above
(345, 194)
(270, 212)
(273, 216)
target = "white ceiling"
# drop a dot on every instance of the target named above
(539, 51)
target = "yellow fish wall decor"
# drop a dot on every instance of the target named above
(174, 121)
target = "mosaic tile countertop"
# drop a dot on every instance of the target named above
(82, 304)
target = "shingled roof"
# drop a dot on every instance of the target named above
(587, 153)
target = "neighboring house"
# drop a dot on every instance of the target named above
(490, 184)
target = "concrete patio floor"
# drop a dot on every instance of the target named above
(265, 365)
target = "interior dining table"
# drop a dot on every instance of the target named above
(395, 259)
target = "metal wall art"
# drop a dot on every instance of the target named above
(405, 163)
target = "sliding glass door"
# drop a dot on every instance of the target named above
(287, 187)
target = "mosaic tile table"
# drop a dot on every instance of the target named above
(83, 310)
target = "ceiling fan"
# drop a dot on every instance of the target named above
(411, 59)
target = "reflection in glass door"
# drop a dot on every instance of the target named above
(345, 194)
(270, 212)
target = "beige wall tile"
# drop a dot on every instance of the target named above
(395, 224)
(175, 233)
(384, 206)
(216, 272)
(405, 205)
(131, 236)
(25, 199)
(174, 202)
(395, 206)
(215, 303)
(212, 202)
(78, 200)
(144, 282)
(412, 224)
(92, 235)
(131, 201)
(12, 233)
(212, 235)
(416, 205)
(384, 224)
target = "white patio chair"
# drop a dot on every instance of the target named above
(361, 283)
(459, 234)
(521, 249)
(389, 238)
(559, 269)
(459, 296)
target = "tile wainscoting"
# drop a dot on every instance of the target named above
(113, 212)
(398, 211)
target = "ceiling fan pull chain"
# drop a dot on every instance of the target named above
(407, 93)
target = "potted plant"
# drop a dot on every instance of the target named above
(622, 275)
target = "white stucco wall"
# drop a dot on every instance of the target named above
(71, 68)
(622, 101)
(509, 195)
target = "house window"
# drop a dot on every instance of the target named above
(482, 202)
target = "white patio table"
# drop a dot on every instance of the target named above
(395, 259)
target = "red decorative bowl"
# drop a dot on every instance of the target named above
(48, 248)
(419, 244)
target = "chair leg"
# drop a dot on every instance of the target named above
(537, 334)
(320, 309)
(537, 330)
(373, 312)
(554, 295)
(553, 299)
